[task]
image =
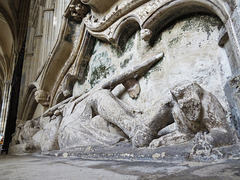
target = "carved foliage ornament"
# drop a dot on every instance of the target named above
(78, 11)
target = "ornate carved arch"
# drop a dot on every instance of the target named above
(157, 14)
(174, 9)
(125, 30)
(170, 11)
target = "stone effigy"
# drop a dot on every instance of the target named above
(54, 120)
(99, 118)
(86, 100)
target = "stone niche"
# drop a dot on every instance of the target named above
(123, 104)
(191, 53)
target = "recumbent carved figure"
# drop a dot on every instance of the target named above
(100, 118)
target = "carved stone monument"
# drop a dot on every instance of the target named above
(138, 76)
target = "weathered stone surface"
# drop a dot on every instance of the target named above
(196, 110)
(182, 152)
(49, 134)
(23, 141)
(102, 119)
(72, 167)
(191, 52)
(232, 92)
(175, 98)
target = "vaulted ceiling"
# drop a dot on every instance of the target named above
(6, 39)
(11, 17)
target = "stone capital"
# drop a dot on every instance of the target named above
(42, 97)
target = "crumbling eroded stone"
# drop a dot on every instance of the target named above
(103, 119)
(196, 110)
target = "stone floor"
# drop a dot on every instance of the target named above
(49, 167)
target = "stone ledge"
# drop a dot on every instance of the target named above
(125, 152)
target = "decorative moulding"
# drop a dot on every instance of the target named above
(150, 16)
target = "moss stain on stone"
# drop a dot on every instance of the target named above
(201, 23)
(97, 46)
(99, 73)
(173, 41)
(170, 28)
(101, 68)
(128, 47)
(126, 61)
(159, 39)
(198, 22)
(86, 72)
(130, 43)
(155, 68)
(116, 51)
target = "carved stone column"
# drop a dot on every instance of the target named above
(47, 41)
(5, 103)
(60, 7)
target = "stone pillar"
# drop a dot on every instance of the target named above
(38, 41)
(60, 6)
(5, 105)
(47, 41)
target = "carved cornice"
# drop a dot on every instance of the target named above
(56, 58)
(66, 65)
